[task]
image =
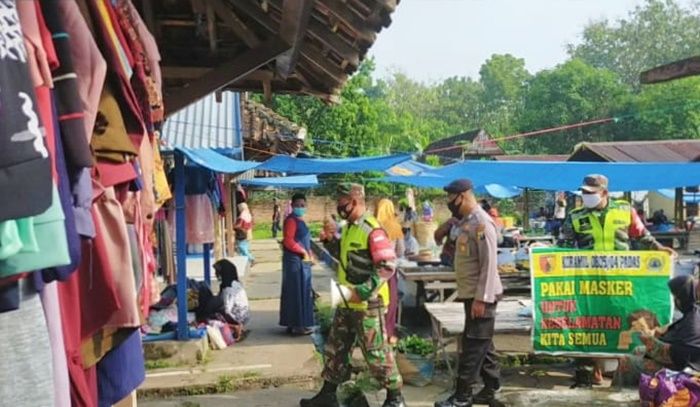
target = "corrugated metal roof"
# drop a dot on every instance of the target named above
(206, 124)
(638, 151)
(531, 157)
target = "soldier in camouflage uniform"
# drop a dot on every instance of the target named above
(366, 263)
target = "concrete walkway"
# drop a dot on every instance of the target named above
(279, 369)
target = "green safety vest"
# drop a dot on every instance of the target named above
(612, 234)
(355, 237)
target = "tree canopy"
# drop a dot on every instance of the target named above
(599, 80)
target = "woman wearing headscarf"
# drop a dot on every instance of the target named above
(676, 347)
(243, 230)
(386, 215)
(235, 307)
(297, 300)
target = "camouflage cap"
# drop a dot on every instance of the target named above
(594, 183)
(350, 189)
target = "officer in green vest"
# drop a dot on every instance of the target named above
(366, 263)
(603, 224)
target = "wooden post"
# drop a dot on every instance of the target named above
(526, 208)
(679, 215)
(181, 254)
(229, 235)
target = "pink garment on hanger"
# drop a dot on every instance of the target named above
(38, 62)
(88, 62)
(52, 312)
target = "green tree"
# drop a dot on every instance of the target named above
(658, 32)
(503, 78)
(570, 93)
(668, 110)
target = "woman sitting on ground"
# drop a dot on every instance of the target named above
(235, 309)
(676, 347)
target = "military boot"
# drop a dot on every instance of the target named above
(394, 399)
(325, 398)
(487, 395)
(462, 397)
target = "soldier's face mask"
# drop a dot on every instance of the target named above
(591, 201)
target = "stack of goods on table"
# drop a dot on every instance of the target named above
(81, 179)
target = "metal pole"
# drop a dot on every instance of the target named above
(207, 264)
(181, 248)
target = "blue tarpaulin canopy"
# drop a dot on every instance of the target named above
(409, 168)
(567, 176)
(299, 181)
(428, 180)
(216, 162)
(295, 165)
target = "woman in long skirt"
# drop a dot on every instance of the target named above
(386, 215)
(297, 303)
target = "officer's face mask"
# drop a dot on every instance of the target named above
(454, 207)
(591, 201)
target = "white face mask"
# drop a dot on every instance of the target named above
(591, 200)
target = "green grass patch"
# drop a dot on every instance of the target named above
(161, 364)
(225, 383)
(263, 230)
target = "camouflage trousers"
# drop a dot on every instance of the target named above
(349, 327)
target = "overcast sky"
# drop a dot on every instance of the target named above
(435, 39)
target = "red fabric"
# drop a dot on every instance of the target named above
(97, 289)
(290, 233)
(82, 393)
(46, 39)
(111, 174)
(637, 228)
(9, 280)
(380, 247)
(241, 224)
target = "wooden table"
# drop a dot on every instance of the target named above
(431, 278)
(447, 320)
(667, 238)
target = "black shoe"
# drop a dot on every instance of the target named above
(453, 401)
(486, 395)
(394, 399)
(583, 379)
(325, 398)
(321, 400)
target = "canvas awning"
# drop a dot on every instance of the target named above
(293, 165)
(216, 162)
(299, 181)
(567, 176)
(427, 180)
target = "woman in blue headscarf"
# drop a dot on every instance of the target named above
(297, 301)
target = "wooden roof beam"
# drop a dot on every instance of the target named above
(361, 25)
(232, 20)
(295, 18)
(328, 38)
(674, 70)
(225, 73)
(309, 52)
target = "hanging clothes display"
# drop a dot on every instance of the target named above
(80, 108)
